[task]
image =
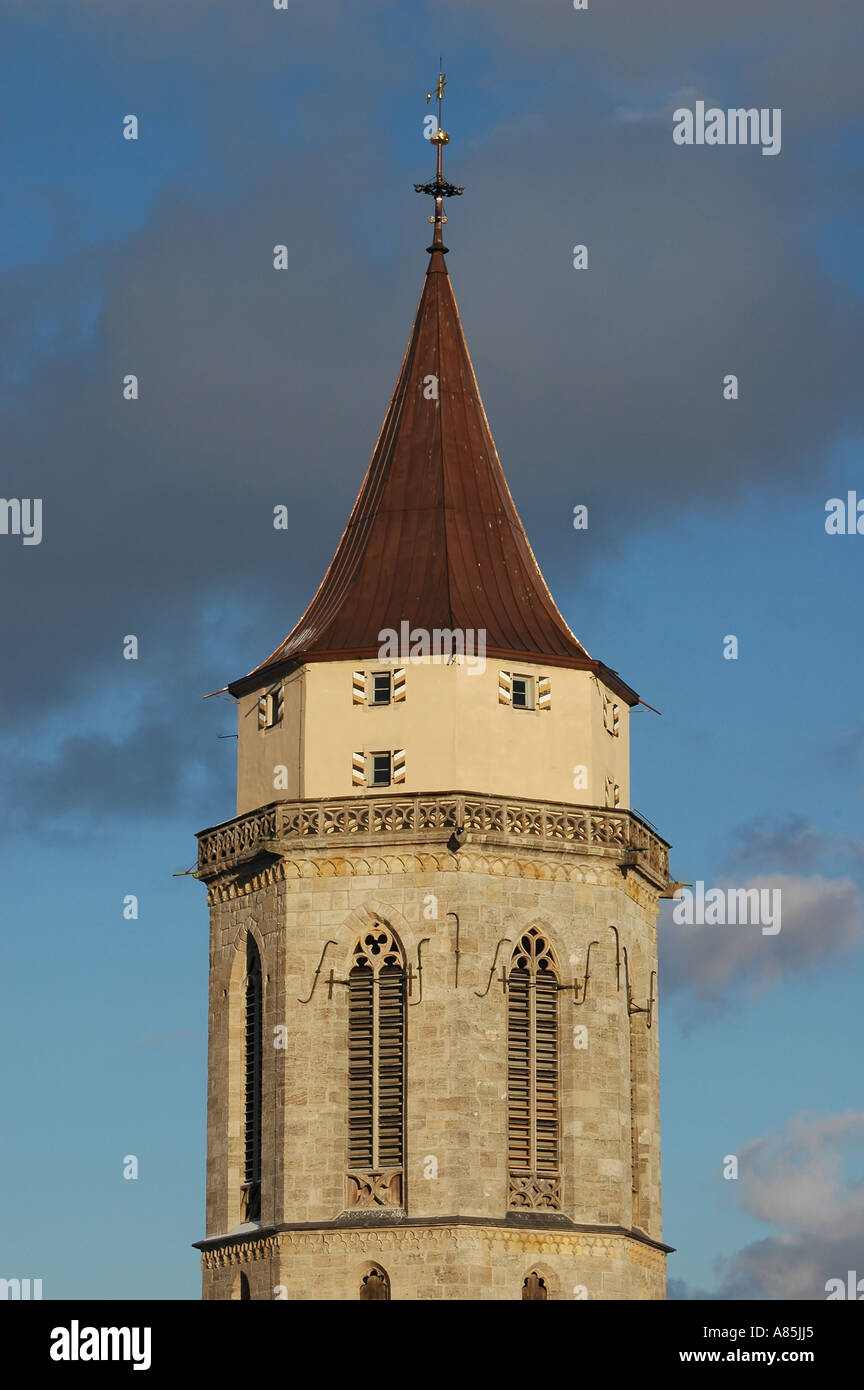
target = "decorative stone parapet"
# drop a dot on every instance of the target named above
(452, 818)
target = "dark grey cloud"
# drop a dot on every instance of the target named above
(152, 773)
(260, 388)
(779, 51)
(848, 751)
(793, 842)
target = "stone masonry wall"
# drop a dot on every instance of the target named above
(456, 1071)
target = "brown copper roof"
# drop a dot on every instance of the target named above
(434, 537)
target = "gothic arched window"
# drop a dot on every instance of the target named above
(375, 1285)
(252, 1085)
(534, 1287)
(376, 1070)
(532, 1074)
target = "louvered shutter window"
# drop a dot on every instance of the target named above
(271, 707)
(399, 677)
(544, 692)
(252, 1083)
(399, 765)
(532, 1063)
(358, 769)
(391, 1047)
(519, 1071)
(546, 1072)
(505, 688)
(360, 1063)
(358, 687)
(376, 1071)
(611, 716)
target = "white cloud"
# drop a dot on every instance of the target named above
(822, 922)
(796, 1179)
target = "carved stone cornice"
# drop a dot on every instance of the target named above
(441, 1233)
(240, 1253)
(250, 847)
(238, 885)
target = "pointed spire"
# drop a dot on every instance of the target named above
(434, 539)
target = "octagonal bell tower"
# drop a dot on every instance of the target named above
(433, 1064)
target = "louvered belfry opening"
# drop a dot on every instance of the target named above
(361, 1014)
(532, 1075)
(252, 1085)
(376, 1071)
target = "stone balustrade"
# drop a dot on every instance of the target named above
(462, 818)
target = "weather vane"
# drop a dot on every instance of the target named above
(440, 189)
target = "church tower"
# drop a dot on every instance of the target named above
(433, 1062)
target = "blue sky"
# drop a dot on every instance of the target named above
(707, 519)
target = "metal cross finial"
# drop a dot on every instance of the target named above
(439, 90)
(439, 190)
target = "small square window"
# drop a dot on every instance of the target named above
(382, 688)
(379, 772)
(523, 692)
